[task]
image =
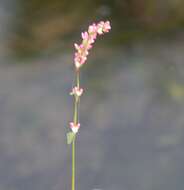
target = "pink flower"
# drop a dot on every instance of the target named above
(74, 127)
(76, 91)
(79, 60)
(103, 27)
(100, 27)
(89, 38)
(106, 26)
(92, 28)
(84, 35)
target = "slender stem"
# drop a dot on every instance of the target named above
(75, 112)
(78, 79)
(73, 164)
(75, 119)
(73, 147)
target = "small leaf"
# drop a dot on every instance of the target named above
(70, 137)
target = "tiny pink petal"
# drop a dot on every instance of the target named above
(84, 35)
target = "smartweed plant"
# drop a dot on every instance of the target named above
(88, 38)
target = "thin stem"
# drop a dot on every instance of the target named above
(75, 112)
(75, 119)
(73, 146)
(73, 164)
(78, 79)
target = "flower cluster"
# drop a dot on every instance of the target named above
(89, 38)
(76, 91)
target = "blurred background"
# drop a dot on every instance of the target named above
(132, 112)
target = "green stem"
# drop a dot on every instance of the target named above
(73, 164)
(75, 120)
(75, 112)
(73, 147)
(78, 79)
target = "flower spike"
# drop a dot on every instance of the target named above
(88, 38)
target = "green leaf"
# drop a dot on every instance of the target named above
(70, 137)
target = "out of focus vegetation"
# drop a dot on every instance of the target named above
(39, 25)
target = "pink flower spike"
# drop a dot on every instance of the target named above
(89, 38)
(74, 127)
(76, 91)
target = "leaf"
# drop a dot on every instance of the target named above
(70, 137)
